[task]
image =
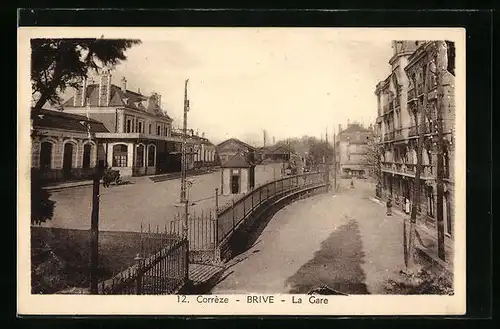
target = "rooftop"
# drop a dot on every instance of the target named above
(118, 97)
(66, 121)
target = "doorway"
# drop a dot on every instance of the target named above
(235, 183)
(67, 160)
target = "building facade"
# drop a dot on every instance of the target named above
(139, 140)
(61, 148)
(351, 149)
(410, 89)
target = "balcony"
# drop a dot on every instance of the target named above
(408, 169)
(413, 131)
(420, 89)
(389, 136)
(396, 101)
(411, 94)
(398, 134)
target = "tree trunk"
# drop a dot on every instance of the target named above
(417, 186)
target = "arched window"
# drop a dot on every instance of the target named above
(430, 201)
(120, 155)
(139, 159)
(151, 156)
(46, 155)
(87, 151)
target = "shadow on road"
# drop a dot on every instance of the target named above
(336, 265)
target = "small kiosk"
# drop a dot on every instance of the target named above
(237, 175)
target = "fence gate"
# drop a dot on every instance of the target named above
(201, 236)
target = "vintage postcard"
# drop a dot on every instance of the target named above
(241, 171)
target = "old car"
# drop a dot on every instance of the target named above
(111, 176)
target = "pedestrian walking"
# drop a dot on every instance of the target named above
(389, 206)
(352, 183)
(407, 205)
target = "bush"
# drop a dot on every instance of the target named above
(422, 282)
(42, 208)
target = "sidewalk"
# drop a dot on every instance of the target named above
(153, 178)
(428, 236)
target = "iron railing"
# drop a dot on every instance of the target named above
(230, 217)
(158, 271)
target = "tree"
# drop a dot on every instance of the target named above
(320, 152)
(371, 159)
(42, 208)
(60, 63)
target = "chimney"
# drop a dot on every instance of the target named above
(104, 87)
(139, 91)
(124, 84)
(203, 134)
(340, 128)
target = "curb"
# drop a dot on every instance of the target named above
(90, 183)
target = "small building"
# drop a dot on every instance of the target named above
(228, 148)
(61, 148)
(237, 175)
(275, 153)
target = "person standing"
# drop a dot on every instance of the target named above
(407, 206)
(389, 206)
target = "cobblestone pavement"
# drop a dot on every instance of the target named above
(125, 207)
(344, 241)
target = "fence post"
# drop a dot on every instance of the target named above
(186, 255)
(260, 196)
(138, 288)
(233, 214)
(216, 200)
(244, 208)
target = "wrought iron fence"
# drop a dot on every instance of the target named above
(229, 217)
(161, 268)
(201, 235)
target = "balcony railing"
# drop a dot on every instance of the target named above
(408, 168)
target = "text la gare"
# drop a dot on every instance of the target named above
(310, 299)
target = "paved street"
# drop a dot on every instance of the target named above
(123, 208)
(345, 241)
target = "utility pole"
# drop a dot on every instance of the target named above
(440, 167)
(184, 162)
(334, 162)
(94, 220)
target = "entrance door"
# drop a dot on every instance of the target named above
(235, 184)
(67, 160)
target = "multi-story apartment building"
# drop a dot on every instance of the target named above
(350, 148)
(400, 102)
(140, 140)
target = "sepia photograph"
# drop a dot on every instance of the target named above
(241, 170)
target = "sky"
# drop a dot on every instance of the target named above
(290, 82)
